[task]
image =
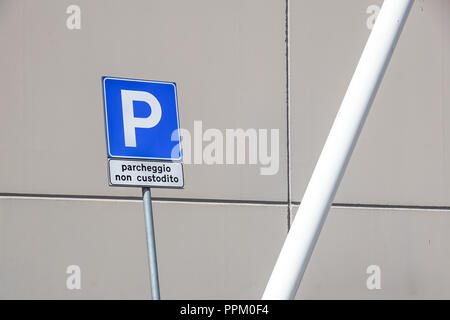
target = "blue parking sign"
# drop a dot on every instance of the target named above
(141, 119)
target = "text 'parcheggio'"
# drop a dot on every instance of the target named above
(145, 173)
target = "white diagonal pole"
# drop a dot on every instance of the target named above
(319, 194)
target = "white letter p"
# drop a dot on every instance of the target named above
(130, 122)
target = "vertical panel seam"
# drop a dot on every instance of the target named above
(288, 115)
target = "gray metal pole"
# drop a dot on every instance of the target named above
(151, 244)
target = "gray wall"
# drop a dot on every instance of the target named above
(219, 237)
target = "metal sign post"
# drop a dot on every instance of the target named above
(143, 145)
(151, 243)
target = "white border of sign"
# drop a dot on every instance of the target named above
(167, 163)
(104, 78)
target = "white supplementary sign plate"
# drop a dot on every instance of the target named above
(138, 173)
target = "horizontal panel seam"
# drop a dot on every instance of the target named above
(132, 199)
(217, 201)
